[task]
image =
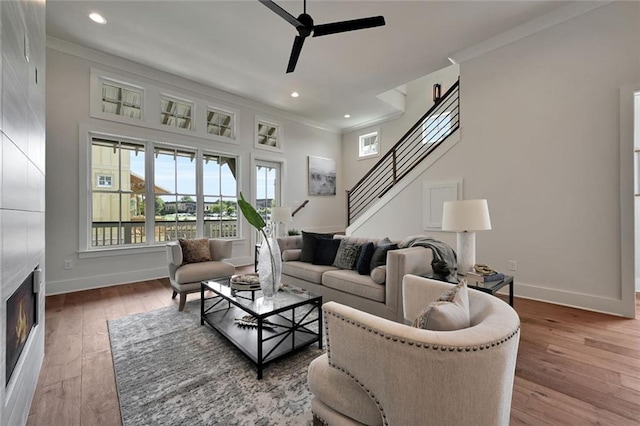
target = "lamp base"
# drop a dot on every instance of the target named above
(466, 242)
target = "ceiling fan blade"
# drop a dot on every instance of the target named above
(282, 13)
(343, 26)
(295, 53)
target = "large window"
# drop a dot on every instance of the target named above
(194, 193)
(117, 193)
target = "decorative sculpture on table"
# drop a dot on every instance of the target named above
(269, 259)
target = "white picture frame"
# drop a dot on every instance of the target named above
(433, 196)
(322, 176)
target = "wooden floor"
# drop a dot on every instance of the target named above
(574, 367)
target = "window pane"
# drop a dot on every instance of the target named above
(132, 168)
(229, 182)
(165, 171)
(186, 173)
(211, 176)
(105, 220)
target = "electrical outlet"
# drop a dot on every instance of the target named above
(513, 265)
(68, 264)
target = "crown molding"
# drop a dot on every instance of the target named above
(525, 30)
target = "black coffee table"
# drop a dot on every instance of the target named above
(284, 324)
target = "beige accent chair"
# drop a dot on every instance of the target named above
(186, 278)
(379, 372)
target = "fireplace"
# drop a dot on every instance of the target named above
(22, 316)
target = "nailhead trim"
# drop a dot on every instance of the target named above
(403, 341)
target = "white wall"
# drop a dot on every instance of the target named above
(540, 140)
(68, 73)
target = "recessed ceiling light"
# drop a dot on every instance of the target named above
(347, 116)
(96, 17)
(295, 94)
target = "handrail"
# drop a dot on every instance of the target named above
(429, 132)
(300, 207)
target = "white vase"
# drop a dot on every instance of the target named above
(270, 275)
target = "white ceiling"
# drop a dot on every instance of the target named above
(242, 47)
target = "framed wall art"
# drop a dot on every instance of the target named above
(322, 176)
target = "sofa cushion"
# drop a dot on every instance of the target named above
(194, 251)
(379, 274)
(349, 281)
(291, 254)
(449, 312)
(309, 244)
(201, 271)
(325, 251)
(379, 256)
(363, 264)
(305, 271)
(347, 255)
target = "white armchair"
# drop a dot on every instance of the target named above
(186, 278)
(379, 372)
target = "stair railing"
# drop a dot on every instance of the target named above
(427, 134)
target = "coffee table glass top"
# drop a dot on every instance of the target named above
(261, 306)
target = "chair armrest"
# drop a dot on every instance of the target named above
(220, 248)
(411, 374)
(174, 253)
(412, 260)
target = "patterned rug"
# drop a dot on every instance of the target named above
(170, 370)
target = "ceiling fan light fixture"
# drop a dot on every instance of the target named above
(97, 18)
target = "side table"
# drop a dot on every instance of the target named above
(490, 287)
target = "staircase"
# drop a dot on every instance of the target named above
(424, 137)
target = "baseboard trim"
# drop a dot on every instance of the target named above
(582, 301)
(108, 280)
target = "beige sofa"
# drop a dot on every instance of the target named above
(378, 372)
(350, 288)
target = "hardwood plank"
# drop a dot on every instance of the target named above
(64, 362)
(99, 396)
(60, 404)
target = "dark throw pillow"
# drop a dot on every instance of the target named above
(379, 256)
(347, 255)
(309, 245)
(363, 265)
(194, 251)
(325, 252)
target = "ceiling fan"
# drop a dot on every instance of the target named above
(304, 25)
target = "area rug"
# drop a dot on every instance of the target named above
(170, 370)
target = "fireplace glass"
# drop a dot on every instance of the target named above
(22, 316)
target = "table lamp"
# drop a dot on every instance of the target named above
(465, 217)
(281, 215)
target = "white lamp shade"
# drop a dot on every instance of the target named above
(465, 215)
(281, 214)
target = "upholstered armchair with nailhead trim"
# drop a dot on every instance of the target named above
(379, 372)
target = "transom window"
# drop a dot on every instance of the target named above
(268, 136)
(181, 193)
(121, 100)
(220, 123)
(368, 144)
(176, 113)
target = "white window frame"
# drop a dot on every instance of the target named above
(361, 144)
(86, 134)
(99, 177)
(279, 147)
(234, 120)
(187, 102)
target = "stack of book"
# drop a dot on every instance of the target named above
(479, 280)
